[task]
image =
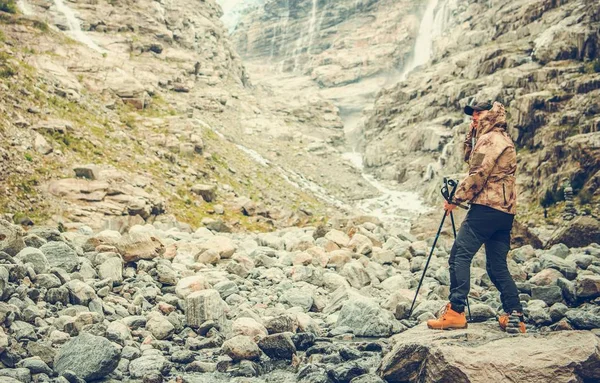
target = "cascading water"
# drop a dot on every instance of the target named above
(24, 7)
(312, 24)
(75, 27)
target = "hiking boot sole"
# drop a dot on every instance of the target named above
(449, 328)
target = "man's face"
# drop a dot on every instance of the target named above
(478, 115)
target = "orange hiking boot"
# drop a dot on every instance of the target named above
(513, 323)
(450, 319)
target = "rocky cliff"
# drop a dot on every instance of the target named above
(125, 112)
(422, 62)
(539, 58)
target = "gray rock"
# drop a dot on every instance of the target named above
(111, 269)
(36, 366)
(558, 311)
(4, 276)
(299, 298)
(32, 240)
(481, 312)
(160, 327)
(23, 331)
(559, 250)
(346, 372)
(80, 293)
(278, 346)
(548, 294)
(568, 289)
(226, 288)
(59, 254)
(365, 317)
(11, 238)
(584, 320)
(204, 305)
(151, 362)
(90, 357)
(569, 269)
(47, 281)
(35, 257)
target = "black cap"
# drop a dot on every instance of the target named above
(478, 107)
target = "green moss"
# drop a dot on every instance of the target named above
(28, 157)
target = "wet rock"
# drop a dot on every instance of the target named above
(89, 357)
(346, 372)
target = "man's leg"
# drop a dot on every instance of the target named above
(496, 249)
(492, 275)
(465, 246)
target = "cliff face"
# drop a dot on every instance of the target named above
(350, 49)
(127, 112)
(539, 58)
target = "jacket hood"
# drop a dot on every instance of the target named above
(494, 119)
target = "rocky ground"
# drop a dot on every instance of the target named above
(315, 304)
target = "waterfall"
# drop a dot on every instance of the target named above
(75, 27)
(25, 8)
(424, 43)
(312, 24)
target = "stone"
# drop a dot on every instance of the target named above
(11, 238)
(278, 346)
(139, 245)
(420, 354)
(36, 258)
(36, 365)
(224, 246)
(191, 284)
(559, 250)
(360, 244)
(548, 294)
(241, 348)
(365, 318)
(61, 255)
(546, 277)
(90, 357)
(282, 323)
(339, 238)
(587, 286)
(111, 269)
(151, 362)
(226, 288)
(298, 298)
(204, 305)
(481, 312)
(80, 293)
(584, 319)
(568, 269)
(580, 232)
(160, 327)
(207, 192)
(166, 275)
(347, 372)
(356, 274)
(248, 327)
(385, 257)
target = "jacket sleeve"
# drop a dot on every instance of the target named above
(485, 155)
(468, 143)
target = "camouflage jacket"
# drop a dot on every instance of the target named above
(492, 166)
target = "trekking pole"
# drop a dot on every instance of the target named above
(427, 264)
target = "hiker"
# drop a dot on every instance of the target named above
(490, 190)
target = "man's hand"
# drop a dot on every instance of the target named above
(448, 207)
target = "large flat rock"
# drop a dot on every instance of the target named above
(482, 353)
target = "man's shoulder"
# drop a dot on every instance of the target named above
(495, 138)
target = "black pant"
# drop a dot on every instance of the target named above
(491, 227)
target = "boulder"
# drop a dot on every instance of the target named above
(580, 232)
(59, 254)
(188, 285)
(207, 192)
(36, 258)
(278, 346)
(204, 305)
(11, 238)
(139, 245)
(482, 353)
(365, 318)
(248, 327)
(90, 357)
(241, 348)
